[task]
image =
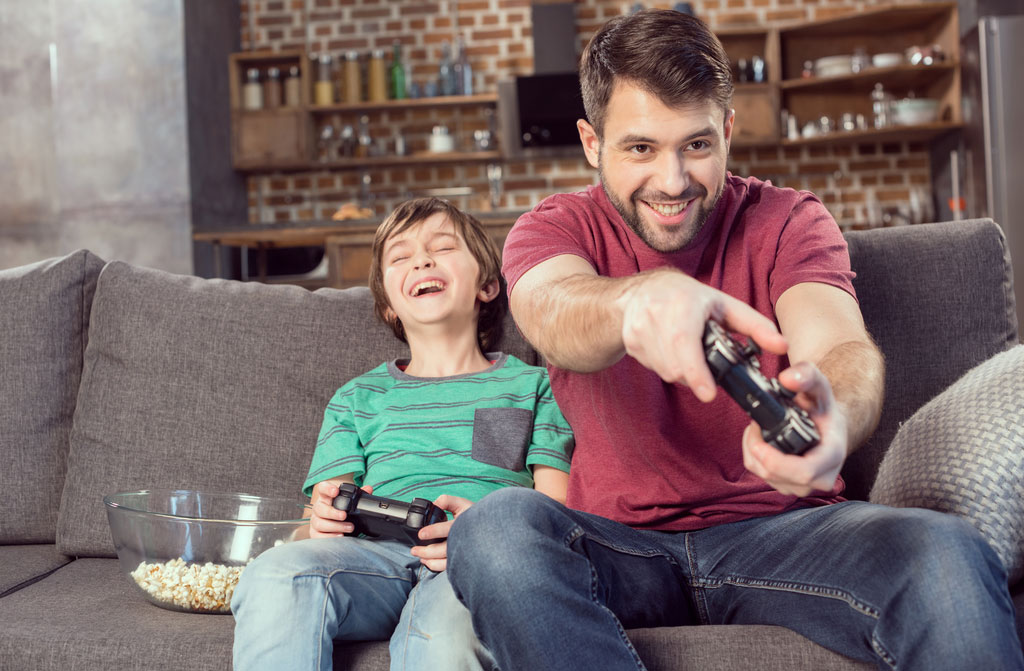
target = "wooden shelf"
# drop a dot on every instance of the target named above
(898, 76)
(408, 103)
(916, 133)
(416, 159)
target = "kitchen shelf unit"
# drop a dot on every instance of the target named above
(284, 138)
(893, 29)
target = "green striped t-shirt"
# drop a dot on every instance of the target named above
(465, 435)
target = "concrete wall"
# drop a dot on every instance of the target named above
(94, 130)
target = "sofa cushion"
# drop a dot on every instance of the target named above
(209, 385)
(22, 565)
(938, 299)
(963, 453)
(104, 624)
(44, 318)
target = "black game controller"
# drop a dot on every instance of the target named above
(783, 423)
(377, 517)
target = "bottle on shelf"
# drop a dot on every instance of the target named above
(881, 106)
(397, 73)
(353, 78)
(272, 89)
(377, 84)
(446, 72)
(323, 90)
(364, 143)
(252, 91)
(463, 70)
(293, 87)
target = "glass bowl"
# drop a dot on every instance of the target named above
(184, 550)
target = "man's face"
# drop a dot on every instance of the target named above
(662, 167)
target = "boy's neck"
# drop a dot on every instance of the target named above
(441, 354)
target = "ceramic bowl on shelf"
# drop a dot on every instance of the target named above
(887, 60)
(184, 550)
(833, 66)
(914, 111)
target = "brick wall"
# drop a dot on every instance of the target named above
(861, 184)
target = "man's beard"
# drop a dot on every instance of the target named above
(631, 214)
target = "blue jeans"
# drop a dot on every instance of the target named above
(293, 601)
(901, 588)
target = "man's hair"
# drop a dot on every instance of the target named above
(480, 245)
(671, 55)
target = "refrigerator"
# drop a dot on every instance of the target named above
(980, 171)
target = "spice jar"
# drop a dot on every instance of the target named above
(252, 92)
(323, 90)
(377, 85)
(293, 87)
(353, 78)
(272, 89)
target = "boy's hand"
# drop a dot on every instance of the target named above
(326, 520)
(435, 555)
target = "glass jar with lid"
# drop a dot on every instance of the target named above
(323, 89)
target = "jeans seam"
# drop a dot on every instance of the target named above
(698, 594)
(798, 588)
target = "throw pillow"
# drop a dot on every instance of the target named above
(963, 453)
(44, 323)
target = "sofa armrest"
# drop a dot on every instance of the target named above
(938, 299)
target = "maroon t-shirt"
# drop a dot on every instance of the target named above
(649, 454)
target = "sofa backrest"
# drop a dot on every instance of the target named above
(938, 299)
(211, 385)
(44, 322)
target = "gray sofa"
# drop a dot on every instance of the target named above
(117, 378)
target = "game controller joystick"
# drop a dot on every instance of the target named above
(783, 423)
(376, 517)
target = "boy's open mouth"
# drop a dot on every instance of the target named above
(427, 287)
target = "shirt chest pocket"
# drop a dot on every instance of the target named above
(501, 436)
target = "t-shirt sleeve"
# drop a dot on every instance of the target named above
(338, 449)
(550, 230)
(552, 442)
(811, 248)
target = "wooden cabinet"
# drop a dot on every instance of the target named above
(756, 94)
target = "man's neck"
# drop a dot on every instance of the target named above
(441, 354)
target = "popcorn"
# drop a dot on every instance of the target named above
(203, 588)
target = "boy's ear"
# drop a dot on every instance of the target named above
(489, 291)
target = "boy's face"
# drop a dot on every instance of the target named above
(662, 167)
(432, 278)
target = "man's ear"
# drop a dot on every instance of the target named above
(489, 291)
(730, 119)
(590, 141)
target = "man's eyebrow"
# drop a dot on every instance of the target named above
(640, 139)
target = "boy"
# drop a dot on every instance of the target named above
(451, 424)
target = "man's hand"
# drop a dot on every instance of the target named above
(326, 520)
(816, 469)
(663, 318)
(435, 555)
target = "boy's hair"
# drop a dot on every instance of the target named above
(480, 245)
(671, 55)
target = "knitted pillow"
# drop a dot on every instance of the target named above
(963, 453)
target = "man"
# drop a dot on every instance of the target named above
(678, 512)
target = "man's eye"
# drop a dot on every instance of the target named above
(640, 149)
(699, 145)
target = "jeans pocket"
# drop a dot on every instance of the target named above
(501, 436)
